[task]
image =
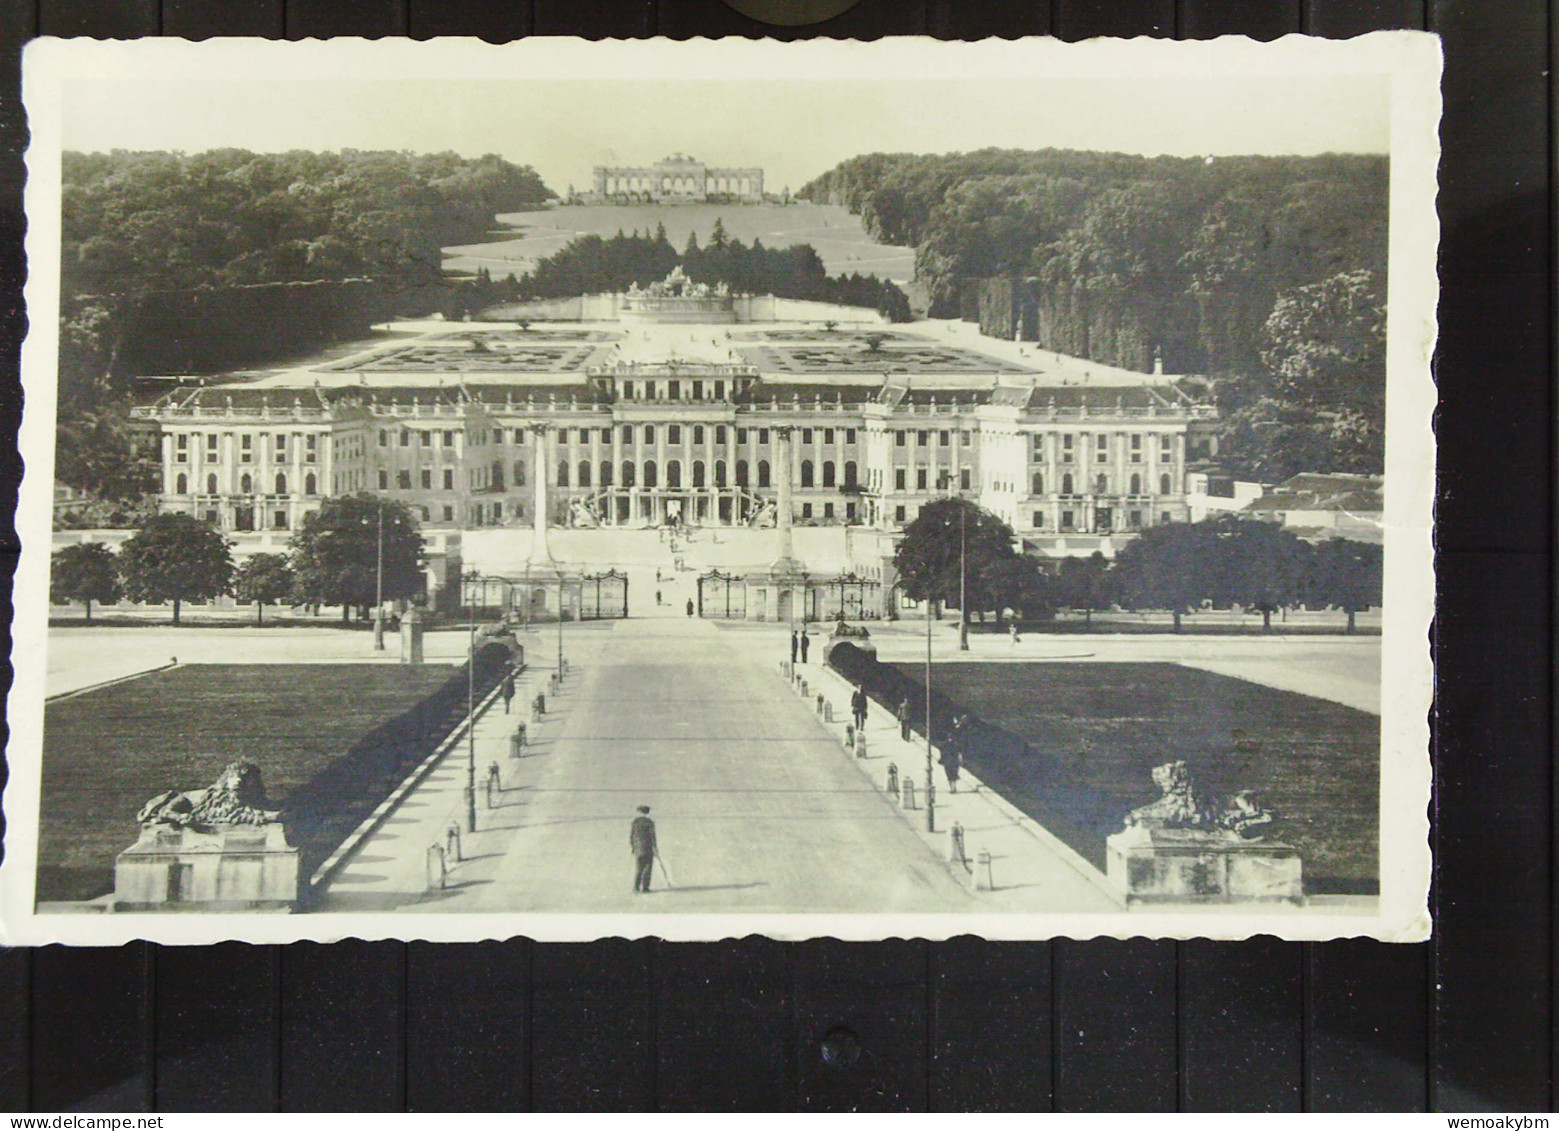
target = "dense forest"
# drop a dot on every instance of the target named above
(1266, 274)
(196, 262)
(593, 265)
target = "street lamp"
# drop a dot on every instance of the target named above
(930, 781)
(379, 583)
(963, 580)
(471, 728)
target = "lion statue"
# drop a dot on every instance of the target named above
(237, 797)
(1181, 808)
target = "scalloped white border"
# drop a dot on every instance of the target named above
(1411, 60)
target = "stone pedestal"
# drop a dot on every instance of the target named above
(411, 636)
(1201, 866)
(214, 868)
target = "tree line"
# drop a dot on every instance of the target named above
(349, 552)
(956, 549)
(593, 265)
(1266, 274)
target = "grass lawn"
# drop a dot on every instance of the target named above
(330, 740)
(1096, 731)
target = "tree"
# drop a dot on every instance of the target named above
(1259, 565)
(1168, 567)
(85, 572)
(946, 535)
(177, 558)
(1345, 575)
(264, 579)
(1085, 584)
(336, 553)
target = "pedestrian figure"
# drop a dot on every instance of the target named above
(858, 707)
(690, 606)
(658, 601)
(794, 643)
(1016, 639)
(903, 714)
(641, 841)
(507, 689)
(952, 758)
(806, 642)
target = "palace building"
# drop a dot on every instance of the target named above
(757, 415)
(678, 179)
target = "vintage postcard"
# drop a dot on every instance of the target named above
(697, 489)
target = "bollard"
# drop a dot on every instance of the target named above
(860, 743)
(985, 865)
(909, 793)
(930, 805)
(541, 703)
(517, 742)
(435, 865)
(893, 779)
(849, 736)
(803, 689)
(452, 842)
(955, 846)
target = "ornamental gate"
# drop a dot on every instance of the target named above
(603, 596)
(722, 595)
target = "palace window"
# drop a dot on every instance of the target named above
(583, 478)
(384, 480)
(674, 434)
(245, 448)
(719, 390)
(741, 473)
(628, 390)
(1166, 446)
(279, 520)
(405, 438)
(828, 435)
(719, 473)
(427, 439)
(449, 513)
(763, 473)
(898, 479)
(943, 438)
(920, 479)
(763, 436)
(673, 473)
(849, 473)
(1066, 484)
(649, 433)
(211, 441)
(1136, 448)
(649, 473)
(898, 439)
(1068, 522)
(1038, 485)
(922, 438)
(1133, 520)
(1039, 446)
(741, 435)
(211, 484)
(698, 433)
(963, 478)
(1136, 485)
(1163, 485)
(627, 433)
(720, 434)
(806, 473)
(181, 449)
(1102, 443)
(606, 473)
(698, 473)
(828, 473)
(806, 510)
(1039, 520)
(849, 435)
(806, 435)
(384, 439)
(898, 514)
(629, 472)
(245, 485)
(402, 481)
(698, 390)
(674, 390)
(562, 473)
(519, 476)
(1101, 485)
(281, 484)
(427, 479)
(310, 484)
(426, 513)
(606, 435)
(828, 510)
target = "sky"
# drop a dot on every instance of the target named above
(794, 130)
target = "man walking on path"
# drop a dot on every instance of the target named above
(641, 841)
(858, 707)
(508, 690)
(794, 643)
(806, 642)
(903, 714)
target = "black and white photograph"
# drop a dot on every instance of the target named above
(701, 489)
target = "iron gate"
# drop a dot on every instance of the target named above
(603, 596)
(722, 595)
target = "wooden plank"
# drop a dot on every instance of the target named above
(341, 1037)
(1115, 1033)
(1340, 19)
(592, 1027)
(991, 1026)
(321, 19)
(89, 1027)
(1086, 19)
(725, 1029)
(467, 1026)
(101, 19)
(216, 1028)
(595, 19)
(1241, 1026)
(862, 1026)
(1207, 19)
(202, 19)
(959, 19)
(869, 19)
(496, 23)
(1367, 1026)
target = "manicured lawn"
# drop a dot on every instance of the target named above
(330, 740)
(1097, 730)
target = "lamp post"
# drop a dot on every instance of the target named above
(471, 729)
(963, 580)
(930, 781)
(379, 583)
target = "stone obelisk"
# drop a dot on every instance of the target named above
(785, 562)
(540, 552)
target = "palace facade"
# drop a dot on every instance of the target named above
(826, 412)
(678, 179)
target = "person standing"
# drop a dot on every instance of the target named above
(690, 606)
(794, 643)
(903, 714)
(952, 758)
(806, 642)
(641, 842)
(658, 601)
(507, 690)
(858, 707)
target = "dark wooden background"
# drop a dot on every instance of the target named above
(1465, 1021)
